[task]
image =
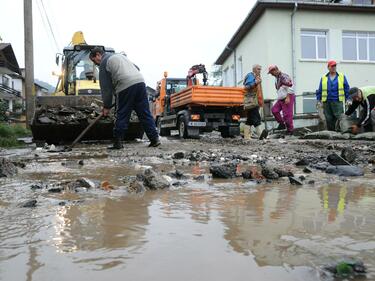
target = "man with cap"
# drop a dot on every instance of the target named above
(120, 77)
(333, 91)
(365, 98)
(285, 99)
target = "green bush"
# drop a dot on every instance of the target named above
(10, 133)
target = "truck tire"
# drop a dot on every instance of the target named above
(164, 132)
(182, 127)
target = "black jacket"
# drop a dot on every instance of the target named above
(367, 105)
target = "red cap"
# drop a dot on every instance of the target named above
(272, 67)
(332, 63)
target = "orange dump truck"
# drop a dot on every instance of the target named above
(196, 109)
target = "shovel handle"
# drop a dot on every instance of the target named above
(85, 130)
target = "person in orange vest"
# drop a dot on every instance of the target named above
(332, 93)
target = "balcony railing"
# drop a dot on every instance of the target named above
(7, 90)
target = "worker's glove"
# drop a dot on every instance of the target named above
(319, 104)
(348, 103)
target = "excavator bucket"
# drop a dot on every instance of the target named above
(60, 119)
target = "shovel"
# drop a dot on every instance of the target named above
(69, 148)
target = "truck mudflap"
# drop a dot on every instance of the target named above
(60, 119)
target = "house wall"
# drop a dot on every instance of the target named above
(270, 42)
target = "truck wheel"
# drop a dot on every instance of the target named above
(182, 127)
(225, 132)
(164, 132)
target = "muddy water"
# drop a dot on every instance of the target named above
(204, 230)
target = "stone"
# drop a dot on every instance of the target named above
(83, 182)
(311, 182)
(348, 154)
(373, 171)
(223, 171)
(307, 170)
(19, 164)
(199, 178)
(81, 162)
(36, 186)
(322, 166)
(303, 162)
(7, 168)
(46, 120)
(135, 186)
(55, 190)
(345, 171)
(179, 155)
(336, 160)
(246, 175)
(178, 174)
(295, 181)
(29, 204)
(154, 181)
(302, 178)
(283, 173)
(371, 160)
(365, 136)
(327, 135)
(269, 173)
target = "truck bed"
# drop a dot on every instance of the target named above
(208, 96)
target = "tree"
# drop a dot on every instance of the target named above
(216, 75)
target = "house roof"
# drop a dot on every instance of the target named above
(7, 58)
(260, 6)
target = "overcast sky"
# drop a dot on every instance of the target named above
(157, 35)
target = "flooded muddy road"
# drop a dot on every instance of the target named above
(200, 228)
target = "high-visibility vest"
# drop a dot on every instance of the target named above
(340, 84)
(368, 90)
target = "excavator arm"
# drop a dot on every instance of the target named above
(193, 71)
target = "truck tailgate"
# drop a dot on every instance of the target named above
(208, 96)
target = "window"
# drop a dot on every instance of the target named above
(239, 71)
(231, 76)
(314, 44)
(358, 46)
(362, 2)
(309, 102)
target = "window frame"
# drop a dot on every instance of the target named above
(305, 31)
(239, 70)
(358, 36)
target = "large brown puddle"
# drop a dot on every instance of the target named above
(208, 230)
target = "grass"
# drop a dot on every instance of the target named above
(10, 133)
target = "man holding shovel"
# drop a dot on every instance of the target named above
(120, 77)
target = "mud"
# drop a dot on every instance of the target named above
(195, 226)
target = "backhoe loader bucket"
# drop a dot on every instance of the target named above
(60, 119)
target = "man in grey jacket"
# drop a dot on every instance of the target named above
(120, 77)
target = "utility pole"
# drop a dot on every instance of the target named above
(29, 60)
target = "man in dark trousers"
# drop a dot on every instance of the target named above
(120, 77)
(365, 98)
(332, 93)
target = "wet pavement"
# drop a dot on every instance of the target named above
(199, 229)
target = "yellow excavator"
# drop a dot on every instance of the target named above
(62, 116)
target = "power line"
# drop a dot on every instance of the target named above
(50, 26)
(45, 27)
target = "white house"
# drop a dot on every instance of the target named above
(300, 37)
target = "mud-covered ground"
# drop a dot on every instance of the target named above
(208, 209)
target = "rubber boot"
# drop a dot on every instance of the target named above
(262, 134)
(117, 144)
(246, 132)
(154, 143)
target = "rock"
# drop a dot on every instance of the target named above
(303, 162)
(302, 178)
(371, 160)
(365, 136)
(46, 120)
(7, 168)
(80, 162)
(311, 182)
(154, 181)
(55, 190)
(307, 170)
(336, 160)
(283, 173)
(83, 182)
(327, 135)
(135, 186)
(36, 186)
(295, 181)
(346, 171)
(19, 164)
(29, 204)
(348, 154)
(320, 166)
(178, 175)
(223, 171)
(268, 173)
(246, 175)
(62, 203)
(373, 171)
(199, 178)
(179, 155)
